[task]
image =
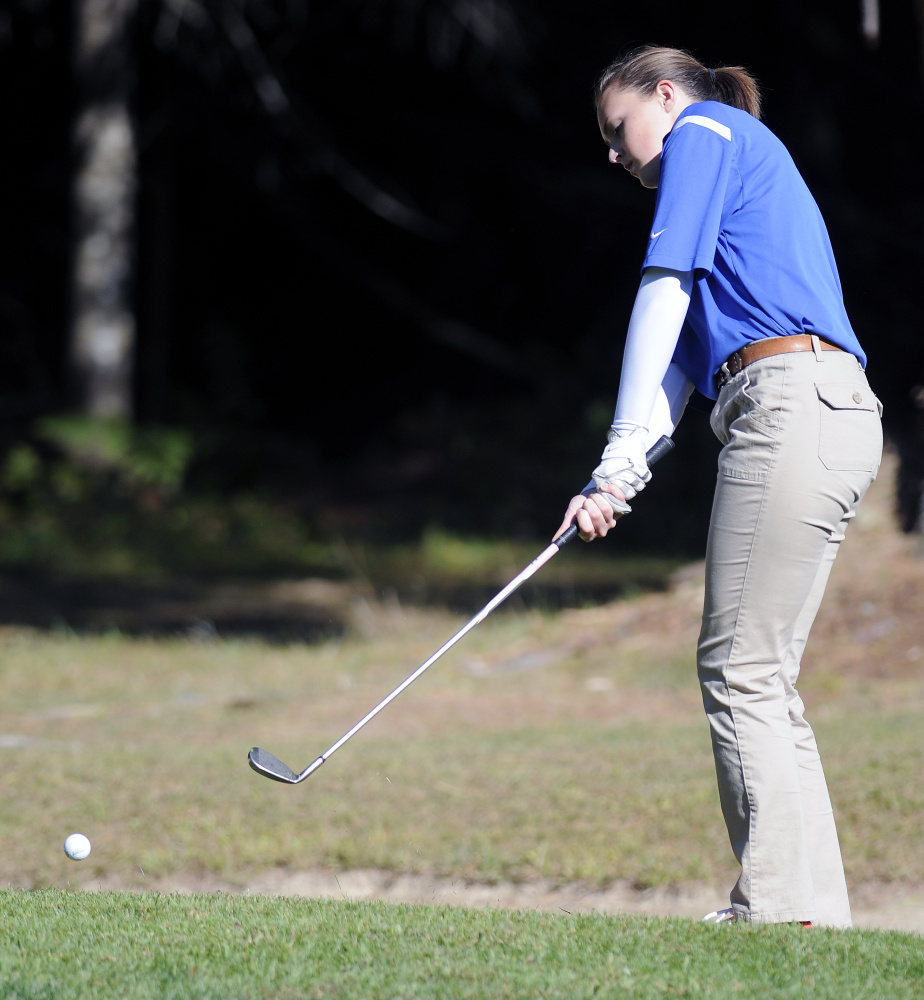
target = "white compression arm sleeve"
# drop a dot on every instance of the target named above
(670, 402)
(652, 391)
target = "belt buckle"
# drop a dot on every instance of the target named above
(723, 375)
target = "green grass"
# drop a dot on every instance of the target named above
(57, 945)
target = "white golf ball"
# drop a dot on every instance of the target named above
(77, 847)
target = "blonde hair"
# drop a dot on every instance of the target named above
(643, 68)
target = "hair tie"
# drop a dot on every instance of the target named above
(712, 78)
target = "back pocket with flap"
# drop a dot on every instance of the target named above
(850, 438)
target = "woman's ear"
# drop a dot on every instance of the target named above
(666, 94)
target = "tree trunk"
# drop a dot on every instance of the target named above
(102, 318)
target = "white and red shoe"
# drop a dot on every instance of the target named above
(728, 917)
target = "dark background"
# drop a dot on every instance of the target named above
(398, 296)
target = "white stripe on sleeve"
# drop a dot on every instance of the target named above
(710, 123)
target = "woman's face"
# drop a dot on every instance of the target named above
(634, 127)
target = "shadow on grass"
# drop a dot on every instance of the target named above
(307, 610)
(276, 612)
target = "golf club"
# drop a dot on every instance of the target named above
(272, 767)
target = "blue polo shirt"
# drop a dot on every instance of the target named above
(733, 208)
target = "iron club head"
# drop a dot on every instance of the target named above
(272, 767)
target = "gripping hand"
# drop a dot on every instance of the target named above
(623, 465)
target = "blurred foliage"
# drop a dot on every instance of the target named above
(85, 499)
(88, 497)
(135, 458)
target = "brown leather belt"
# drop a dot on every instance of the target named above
(767, 348)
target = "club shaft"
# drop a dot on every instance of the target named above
(498, 598)
(657, 452)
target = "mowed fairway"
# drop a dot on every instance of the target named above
(565, 747)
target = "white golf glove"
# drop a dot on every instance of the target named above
(623, 465)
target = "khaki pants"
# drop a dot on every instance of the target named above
(802, 441)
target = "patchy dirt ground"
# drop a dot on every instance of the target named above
(871, 626)
(874, 906)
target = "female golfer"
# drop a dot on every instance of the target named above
(740, 299)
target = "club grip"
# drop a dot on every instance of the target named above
(654, 454)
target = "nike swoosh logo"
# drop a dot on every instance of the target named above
(654, 236)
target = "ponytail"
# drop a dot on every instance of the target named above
(734, 85)
(643, 68)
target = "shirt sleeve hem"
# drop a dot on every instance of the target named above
(700, 263)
